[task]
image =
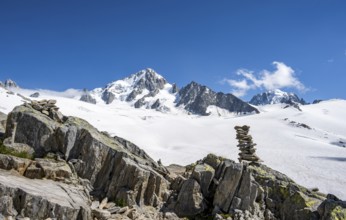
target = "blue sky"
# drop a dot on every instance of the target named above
(236, 46)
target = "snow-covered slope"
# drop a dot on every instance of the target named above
(314, 157)
(275, 97)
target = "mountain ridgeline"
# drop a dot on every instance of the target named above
(275, 97)
(147, 89)
(196, 98)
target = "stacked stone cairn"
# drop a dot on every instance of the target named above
(246, 146)
(47, 107)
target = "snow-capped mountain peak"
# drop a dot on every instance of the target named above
(9, 84)
(145, 88)
(275, 97)
(147, 76)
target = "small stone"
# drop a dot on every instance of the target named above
(114, 209)
(45, 112)
(123, 210)
(52, 102)
(103, 203)
(109, 205)
(101, 214)
(95, 204)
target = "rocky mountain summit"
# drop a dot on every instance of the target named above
(197, 98)
(275, 97)
(9, 84)
(140, 89)
(67, 169)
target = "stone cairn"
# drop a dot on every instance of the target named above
(246, 146)
(47, 107)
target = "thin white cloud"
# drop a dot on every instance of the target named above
(241, 87)
(330, 60)
(283, 76)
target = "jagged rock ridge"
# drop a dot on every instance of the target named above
(197, 98)
(275, 97)
(147, 89)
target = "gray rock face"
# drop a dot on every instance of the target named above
(29, 198)
(35, 95)
(86, 97)
(8, 162)
(139, 103)
(228, 186)
(134, 94)
(115, 168)
(175, 88)
(108, 97)
(33, 128)
(190, 199)
(332, 208)
(3, 118)
(275, 97)
(196, 99)
(203, 174)
(316, 101)
(156, 104)
(10, 84)
(150, 81)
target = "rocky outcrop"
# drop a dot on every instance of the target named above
(244, 191)
(141, 102)
(196, 98)
(86, 97)
(10, 84)
(316, 101)
(35, 95)
(41, 199)
(8, 162)
(175, 88)
(115, 170)
(332, 208)
(134, 94)
(108, 97)
(3, 118)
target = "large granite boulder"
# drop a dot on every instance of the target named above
(190, 200)
(41, 199)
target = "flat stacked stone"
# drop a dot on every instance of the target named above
(48, 108)
(246, 146)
